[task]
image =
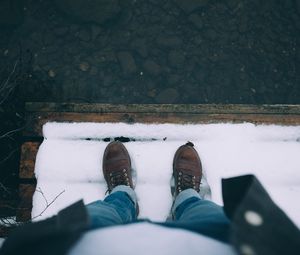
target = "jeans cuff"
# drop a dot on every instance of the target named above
(182, 196)
(130, 192)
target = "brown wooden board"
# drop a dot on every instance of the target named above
(40, 113)
(4, 231)
(7, 207)
(27, 161)
(24, 209)
(163, 108)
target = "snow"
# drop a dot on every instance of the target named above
(66, 161)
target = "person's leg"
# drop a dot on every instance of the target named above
(203, 216)
(117, 208)
(121, 205)
(189, 210)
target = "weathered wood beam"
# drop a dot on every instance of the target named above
(163, 108)
(36, 120)
(8, 207)
(27, 162)
(25, 206)
(4, 231)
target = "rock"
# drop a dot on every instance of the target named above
(107, 80)
(298, 6)
(11, 12)
(96, 30)
(243, 24)
(84, 35)
(51, 73)
(211, 34)
(173, 79)
(140, 46)
(99, 11)
(126, 14)
(84, 66)
(169, 41)
(167, 96)
(196, 20)
(127, 62)
(150, 84)
(48, 38)
(176, 59)
(94, 71)
(151, 93)
(232, 3)
(152, 68)
(189, 6)
(61, 31)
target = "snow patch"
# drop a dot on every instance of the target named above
(70, 159)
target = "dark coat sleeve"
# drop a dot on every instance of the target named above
(55, 235)
(258, 225)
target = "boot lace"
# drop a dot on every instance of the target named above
(119, 177)
(187, 181)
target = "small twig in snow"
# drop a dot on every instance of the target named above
(47, 204)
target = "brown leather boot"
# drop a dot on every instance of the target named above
(187, 168)
(117, 166)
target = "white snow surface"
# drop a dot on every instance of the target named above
(66, 161)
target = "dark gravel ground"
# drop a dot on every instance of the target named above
(158, 51)
(148, 51)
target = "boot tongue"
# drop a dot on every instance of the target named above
(189, 144)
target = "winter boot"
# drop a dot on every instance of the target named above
(187, 169)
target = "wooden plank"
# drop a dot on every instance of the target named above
(8, 208)
(37, 119)
(25, 205)
(27, 161)
(163, 108)
(4, 231)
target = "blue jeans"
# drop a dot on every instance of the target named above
(189, 211)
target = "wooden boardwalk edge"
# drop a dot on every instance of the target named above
(163, 108)
(41, 113)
